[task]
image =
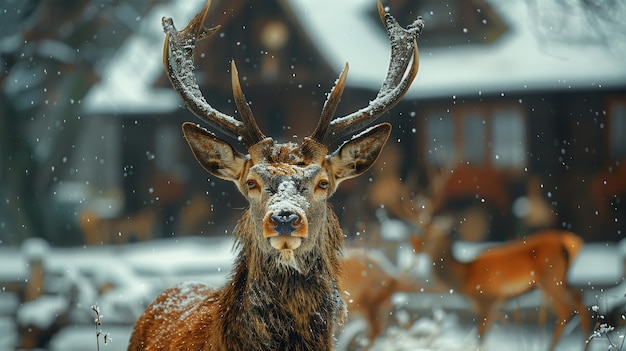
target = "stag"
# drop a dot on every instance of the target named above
(284, 292)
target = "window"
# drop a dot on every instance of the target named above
(440, 140)
(617, 131)
(509, 139)
(488, 135)
(474, 149)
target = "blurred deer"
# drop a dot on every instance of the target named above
(284, 291)
(370, 278)
(501, 273)
(388, 191)
(370, 282)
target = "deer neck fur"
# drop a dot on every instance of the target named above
(446, 266)
(270, 306)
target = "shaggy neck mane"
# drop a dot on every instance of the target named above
(262, 297)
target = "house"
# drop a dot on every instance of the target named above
(525, 93)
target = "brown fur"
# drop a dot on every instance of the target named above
(540, 261)
(276, 299)
(263, 307)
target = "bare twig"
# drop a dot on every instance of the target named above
(98, 321)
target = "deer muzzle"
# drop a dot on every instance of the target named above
(285, 222)
(285, 229)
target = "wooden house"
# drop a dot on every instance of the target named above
(522, 108)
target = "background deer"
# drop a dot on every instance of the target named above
(284, 292)
(370, 282)
(500, 273)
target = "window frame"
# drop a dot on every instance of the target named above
(485, 143)
(616, 140)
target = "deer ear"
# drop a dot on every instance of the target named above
(215, 155)
(357, 155)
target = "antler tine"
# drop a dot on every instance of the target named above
(396, 84)
(330, 107)
(178, 59)
(252, 133)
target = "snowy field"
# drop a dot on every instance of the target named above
(122, 280)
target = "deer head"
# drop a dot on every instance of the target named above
(287, 185)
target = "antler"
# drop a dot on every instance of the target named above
(178, 54)
(395, 85)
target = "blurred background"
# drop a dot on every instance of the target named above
(521, 105)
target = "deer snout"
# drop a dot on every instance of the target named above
(285, 229)
(285, 222)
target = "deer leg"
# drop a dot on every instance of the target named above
(485, 312)
(585, 322)
(542, 314)
(563, 305)
(375, 321)
(517, 314)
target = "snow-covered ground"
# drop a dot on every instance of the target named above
(122, 280)
(445, 332)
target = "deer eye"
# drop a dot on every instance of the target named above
(323, 184)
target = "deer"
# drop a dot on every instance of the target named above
(285, 288)
(502, 273)
(370, 282)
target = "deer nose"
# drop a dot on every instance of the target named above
(285, 222)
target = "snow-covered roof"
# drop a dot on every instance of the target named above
(128, 78)
(343, 32)
(519, 60)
